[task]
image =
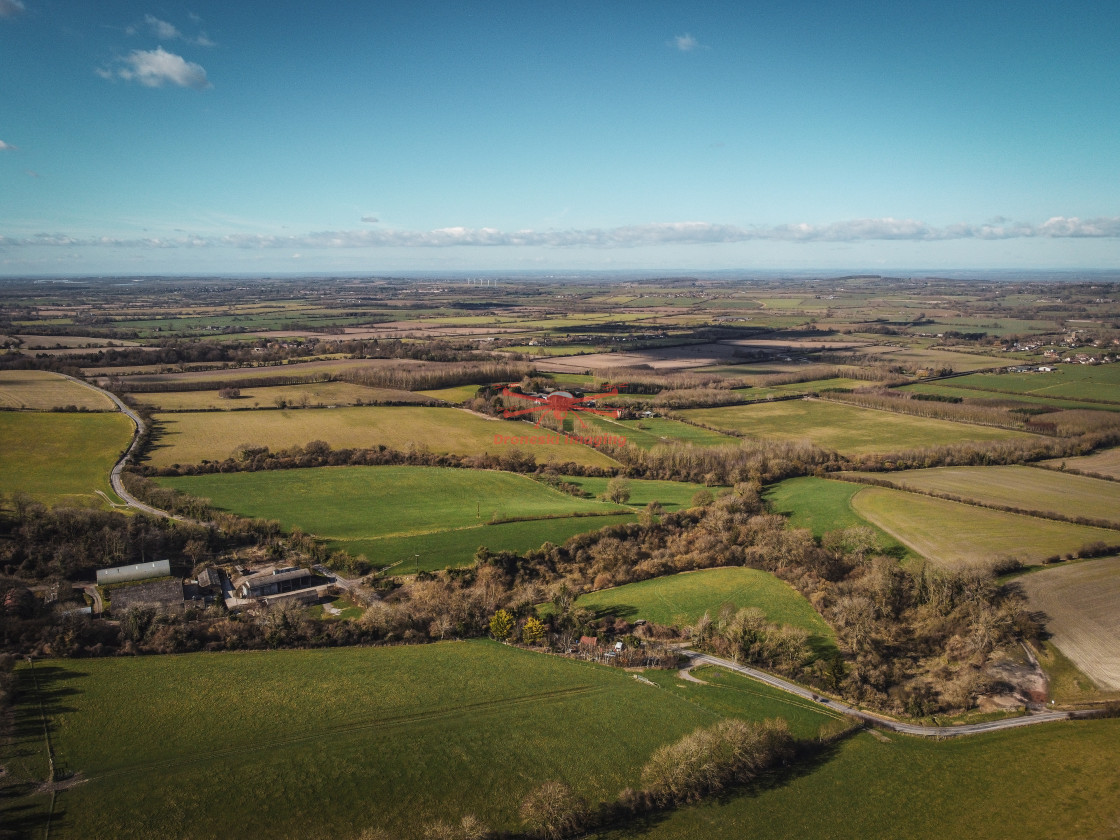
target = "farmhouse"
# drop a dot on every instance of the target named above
(275, 582)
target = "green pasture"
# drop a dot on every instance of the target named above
(1026, 488)
(216, 435)
(813, 386)
(329, 742)
(671, 494)
(1076, 382)
(823, 505)
(729, 694)
(649, 432)
(682, 599)
(945, 390)
(61, 459)
(452, 548)
(957, 535)
(444, 513)
(1049, 782)
(456, 394)
(845, 428)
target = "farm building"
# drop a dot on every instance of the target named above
(210, 578)
(137, 571)
(274, 583)
(157, 593)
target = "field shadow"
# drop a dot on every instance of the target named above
(626, 611)
(811, 757)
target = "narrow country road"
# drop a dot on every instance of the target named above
(696, 659)
(115, 476)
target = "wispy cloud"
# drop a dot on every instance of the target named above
(162, 29)
(11, 8)
(155, 68)
(6, 147)
(674, 233)
(370, 220)
(686, 43)
(166, 31)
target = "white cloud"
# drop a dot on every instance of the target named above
(154, 68)
(670, 233)
(11, 8)
(686, 43)
(162, 29)
(6, 147)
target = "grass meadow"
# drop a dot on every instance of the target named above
(655, 431)
(672, 495)
(216, 435)
(346, 739)
(682, 599)
(61, 459)
(956, 535)
(42, 390)
(1004, 397)
(844, 428)
(1050, 782)
(1075, 382)
(823, 505)
(1027, 488)
(395, 513)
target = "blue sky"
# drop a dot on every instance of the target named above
(218, 137)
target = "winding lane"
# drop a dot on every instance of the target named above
(115, 476)
(696, 659)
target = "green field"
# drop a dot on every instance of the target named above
(1076, 382)
(345, 739)
(456, 394)
(215, 435)
(1051, 782)
(652, 431)
(61, 459)
(844, 428)
(1026, 488)
(823, 505)
(315, 394)
(445, 514)
(682, 599)
(447, 549)
(941, 390)
(957, 535)
(41, 390)
(671, 494)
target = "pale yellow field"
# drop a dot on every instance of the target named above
(1102, 463)
(956, 535)
(1082, 606)
(40, 342)
(315, 394)
(1026, 488)
(42, 390)
(216, 435)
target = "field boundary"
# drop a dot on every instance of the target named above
(951, 497)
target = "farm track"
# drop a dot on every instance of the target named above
(115, 476)
(698, 658)
(386, 723)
